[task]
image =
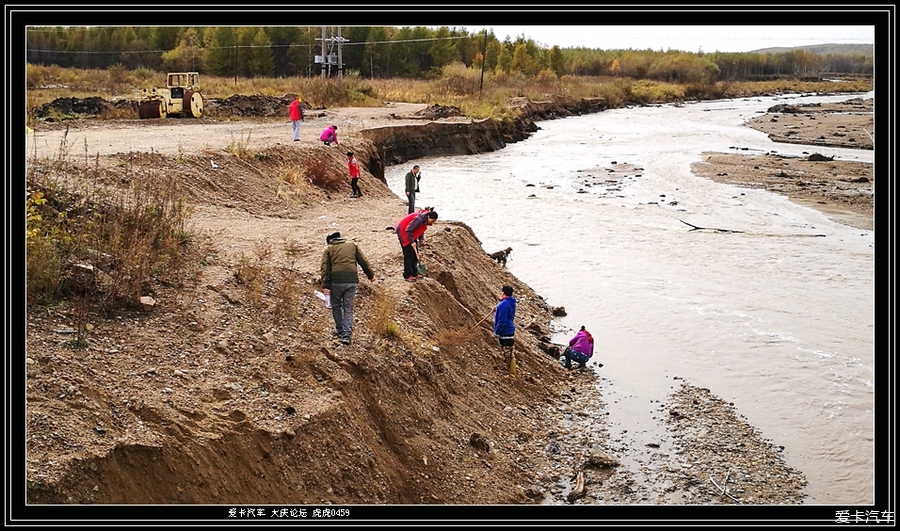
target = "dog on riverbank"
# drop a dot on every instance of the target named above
(501, 256)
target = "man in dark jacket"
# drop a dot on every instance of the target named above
(340, 279)
(412, 186)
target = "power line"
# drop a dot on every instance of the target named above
(255, 46)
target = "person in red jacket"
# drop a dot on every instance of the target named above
(296, 116)
(353, 167)
(411, 230)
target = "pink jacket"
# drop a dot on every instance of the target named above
(583, 342)
(329, 135)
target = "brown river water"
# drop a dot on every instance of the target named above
(777, 318)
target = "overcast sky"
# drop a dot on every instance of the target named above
(688, 38)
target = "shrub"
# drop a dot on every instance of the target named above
(117, 78)
(100, 243)
(239, 148)
(645, 91)
(43, 267)
(456, 79)
(286, 294)
(318, 172)
(253, 272)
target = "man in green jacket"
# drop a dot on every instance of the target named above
(339, 281)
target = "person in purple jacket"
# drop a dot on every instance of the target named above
(580, 349)
(329, 135)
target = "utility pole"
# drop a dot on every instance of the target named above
(340, 65)
(483, 60)
(328, 57)
(323, 53)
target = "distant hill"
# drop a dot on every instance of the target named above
(826, 49)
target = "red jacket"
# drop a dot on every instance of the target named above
(353, 166)
(296, 110)
(412, 227)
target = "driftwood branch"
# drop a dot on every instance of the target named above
(578, 491)
(694, 227)
(723, 489)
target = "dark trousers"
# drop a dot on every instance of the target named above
(409, 261)
(342, 296)
(354, 184)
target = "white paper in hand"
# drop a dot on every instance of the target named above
(325, 298)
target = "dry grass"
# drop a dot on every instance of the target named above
(452, 340)
(252, 272)
(293, 247)
(286, 293)
(383, 320)
(239, 147)
(476, 95)
(103, 241)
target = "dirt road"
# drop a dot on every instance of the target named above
(89, 138)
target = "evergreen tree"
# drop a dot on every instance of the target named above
(220, 51)
(557, 61)
(165, 38)
(287, 53)
(376, 53)
(443, 50)
(504, 58)
(260, 62)
(405, 63)
(245, 36)
(492, 54)
(523, 62)
(187, 56)
(353, 52)
(420, 59)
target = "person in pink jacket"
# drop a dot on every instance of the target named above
(580, 349)
(329, 135)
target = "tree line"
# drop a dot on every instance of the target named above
(406, 52)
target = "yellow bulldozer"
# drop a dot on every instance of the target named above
(180, 97)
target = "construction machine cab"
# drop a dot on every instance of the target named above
(184, 80)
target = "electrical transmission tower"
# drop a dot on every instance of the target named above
(332, 56)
